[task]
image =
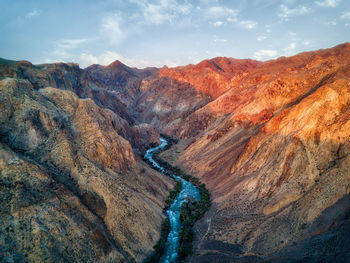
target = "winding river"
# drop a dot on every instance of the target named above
(188, 191)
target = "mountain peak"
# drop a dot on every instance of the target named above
(116, 63)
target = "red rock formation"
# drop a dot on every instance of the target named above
(269, 139)
(212, 77)
(274, 151)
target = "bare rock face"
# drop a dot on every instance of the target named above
(73, 145)
(269, 139)
(174, 94)
(212, 77)
(145, 135)
(41, 220)
(68, 76)
(121, 79)
(274, 152)
(165, 103)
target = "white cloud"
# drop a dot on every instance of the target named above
(154, 14)
(328, 3)
(330, 23)
(63, 48)
(32, 14)
(71, 43)
(268, 29)
(221, 12)
(286, 12)
(264, 54)
(248, 24)
(219, 40)
(107, 57)
(162, 11)
(345, 15)
(290, 49)
(217, 23)
(111, 28)
(261, 38)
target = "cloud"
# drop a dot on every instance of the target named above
(222, 12)
(328, 3)
(62, 50)
(290, 49)
(162, 11)
(219, 40)
(71, 43)
(264, 54)
(111, 28)
(345, 15)
(330, 23)
(286, 12)
(217, 23)
(248, 24)
(107, 57)
(154, 14)
(261, 38)
(32, 14)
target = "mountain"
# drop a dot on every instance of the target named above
(269, 139)
(68, 175)
(274, 152)
(121, 79)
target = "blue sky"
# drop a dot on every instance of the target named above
(167, 32)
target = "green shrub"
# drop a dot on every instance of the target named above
(190, 212)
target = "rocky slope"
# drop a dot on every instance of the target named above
(67, 76)
(269, 139)
(121, 79)
(170, 95)
(165, 103)
(274, 151)
(212, 77)
(72, 188)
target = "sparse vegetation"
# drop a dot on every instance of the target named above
(160, 245)
(190, 212)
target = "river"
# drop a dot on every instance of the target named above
(188, 191)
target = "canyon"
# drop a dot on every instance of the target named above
(270, 140)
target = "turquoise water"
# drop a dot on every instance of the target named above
(188, 191)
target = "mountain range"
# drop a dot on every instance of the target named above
(270, 140)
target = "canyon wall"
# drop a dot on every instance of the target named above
(72, 188)
(269, 139)
(273, 149)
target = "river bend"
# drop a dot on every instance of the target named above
(188, 192)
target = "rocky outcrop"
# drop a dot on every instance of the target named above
(165, 103)
(67, 76)
(145, 136)
(175, 94)
(269, 139)
(212, 77)
(274, 151)
(42, 220)
(121, 79)
(87, 174)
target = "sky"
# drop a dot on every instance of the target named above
(143, 33)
